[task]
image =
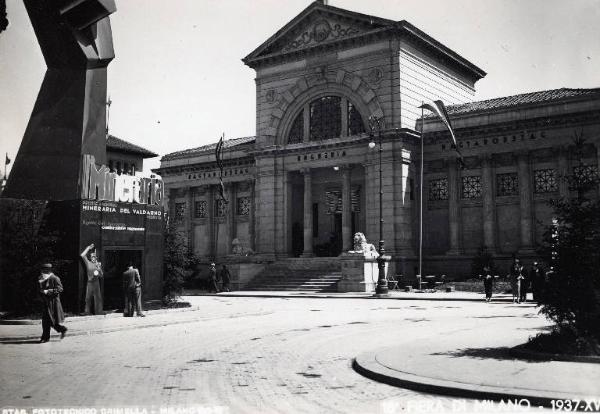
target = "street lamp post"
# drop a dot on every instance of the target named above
(382, 286)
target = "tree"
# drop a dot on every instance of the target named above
(178, 262)
(571, 296)
(24, 246)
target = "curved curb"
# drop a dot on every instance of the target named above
(522, 353)
(367, 365)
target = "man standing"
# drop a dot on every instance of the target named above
(213, 286)
(225, 278)
(53, 315)
(516, 278)
(537, 281)
(93, 269)
(132, 288)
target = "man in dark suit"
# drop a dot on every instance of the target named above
(50, 288)
(132, 289)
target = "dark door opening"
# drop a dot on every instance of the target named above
(115, 263)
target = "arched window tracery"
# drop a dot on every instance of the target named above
(326, 117)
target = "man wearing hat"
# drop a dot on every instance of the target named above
(53, 315)
(213, 278)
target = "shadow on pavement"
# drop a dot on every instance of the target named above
(25, 342)
(499, 353)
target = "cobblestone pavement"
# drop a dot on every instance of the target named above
(262, 355)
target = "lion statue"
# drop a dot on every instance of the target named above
(361, 246)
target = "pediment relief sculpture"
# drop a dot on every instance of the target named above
(322, 30)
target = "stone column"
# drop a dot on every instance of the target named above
(252, 223)
(212, 251)
(308, 218)
(561, 173)
(346, 208)
(232, 215)
(189, 221)
(454, 223)
(488, 208)
(525, 203)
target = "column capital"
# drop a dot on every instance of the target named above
(305, 171)
(522, 154)
(486, 158)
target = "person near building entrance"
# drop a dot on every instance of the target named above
(516, 279)
(225, 277)
(53, 316)
(132, 290)
(93, 269)
(488, 282)
(537, 281)
(213, 284)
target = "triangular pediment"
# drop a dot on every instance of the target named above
(317, 25)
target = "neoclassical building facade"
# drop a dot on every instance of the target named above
(308, 180)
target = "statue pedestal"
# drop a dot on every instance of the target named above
(243, 269)
(360, 272)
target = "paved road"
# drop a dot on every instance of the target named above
(246, 355)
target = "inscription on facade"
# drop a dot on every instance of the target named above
(504, 139)
(321, 155)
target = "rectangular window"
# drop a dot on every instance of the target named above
(544, 181)
(471, 187)
(507, 184)
(438, 189)
(583, 176)
(334, 201)
(200, 209)
(243, 206)
(179, 212)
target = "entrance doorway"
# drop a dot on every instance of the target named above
(115, 263)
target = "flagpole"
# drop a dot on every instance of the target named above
(421, 206)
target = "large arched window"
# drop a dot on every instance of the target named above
(326, 117)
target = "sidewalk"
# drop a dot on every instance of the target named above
(479, 364)
(30, 330)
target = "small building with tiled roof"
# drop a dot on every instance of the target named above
(125, 157)
(330, 82)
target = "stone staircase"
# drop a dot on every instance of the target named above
(315, 274)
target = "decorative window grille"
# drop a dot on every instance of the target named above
(438, 189)
(200, 209)
(220, 207)
(471, 186)
(544, 181)
(334, 201)
(355, 198)
(179, 212)
(585, 174)
(325, 118)
(243, 206)
(355, 121)
(507, 184)
(297, 131)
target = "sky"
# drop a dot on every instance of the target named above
(178, 82)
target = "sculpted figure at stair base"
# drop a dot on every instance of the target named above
(361, 246)
(240, 250)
